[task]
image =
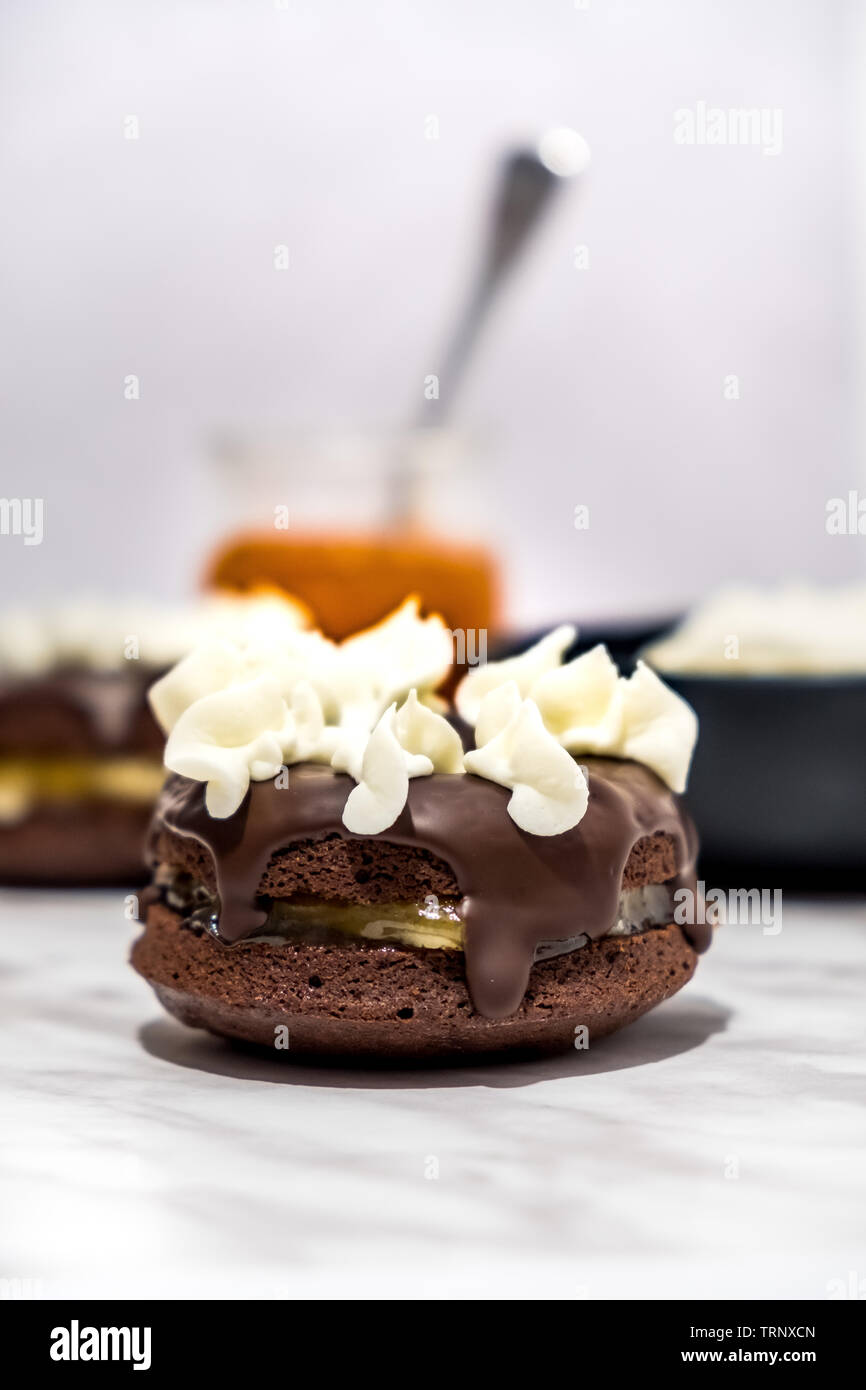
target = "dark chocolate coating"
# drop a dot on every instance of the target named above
(71, 712)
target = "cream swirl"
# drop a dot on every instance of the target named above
(586, 706)
(241, 712)
(236, 713)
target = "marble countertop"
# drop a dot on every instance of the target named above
(715, 1148)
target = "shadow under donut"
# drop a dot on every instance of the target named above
(677, 1028)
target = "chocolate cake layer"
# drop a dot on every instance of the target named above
(91, 842)
(519, 891)
(374, 871)
(370, 1000)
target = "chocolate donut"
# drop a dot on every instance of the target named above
(80, 769)
(454, 932)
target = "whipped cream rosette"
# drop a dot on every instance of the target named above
(238, 712)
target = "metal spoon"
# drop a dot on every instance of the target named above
(526, 182)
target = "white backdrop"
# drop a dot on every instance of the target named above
(306, 126)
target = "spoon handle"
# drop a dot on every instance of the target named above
(524, 190)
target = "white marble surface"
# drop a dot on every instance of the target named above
(143, 1159)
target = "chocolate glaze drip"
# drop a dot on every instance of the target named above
(519, 890)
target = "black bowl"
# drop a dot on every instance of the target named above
(778, 782)
(779, 774)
